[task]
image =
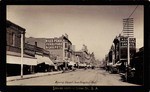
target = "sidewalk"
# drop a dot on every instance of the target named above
(13, 78)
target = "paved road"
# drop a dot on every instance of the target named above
(89, 77)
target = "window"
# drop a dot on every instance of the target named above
(8, 38)
(13, 39)
(65, 54)
(69, 55)
(65, 45)
(69, 47)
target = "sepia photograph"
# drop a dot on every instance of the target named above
(74, 45)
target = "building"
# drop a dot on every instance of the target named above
(44, 63)
(80, 59)
(13, 57)
(85, 58)
(118, 53)
(40, 42)
(137, 63)
(60, 49)
(123, 41)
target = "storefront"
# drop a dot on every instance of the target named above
(14, 65)
(71, 64)
(44, 64)
(82, 65)
(59, 64)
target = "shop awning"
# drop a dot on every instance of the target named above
(71, 63)
(17, 60)
(57, 61)
(109, 64)
(82, 64)
(43, 59)
(117, 64)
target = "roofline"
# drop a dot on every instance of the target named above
(67, 39)
(22, 29)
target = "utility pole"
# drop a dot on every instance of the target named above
(128, 51)
(128, 32)
(22, 55)
(128, 57)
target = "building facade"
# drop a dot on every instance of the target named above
(14, 32)
(118, 52)
(13, 57)
(85, 59)
(44, 63)
(60, 48)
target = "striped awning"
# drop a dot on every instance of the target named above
(17, 60)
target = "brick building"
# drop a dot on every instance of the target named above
(13, 57)
(60, 48)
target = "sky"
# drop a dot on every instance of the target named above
(93, 25)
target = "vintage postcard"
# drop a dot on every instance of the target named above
(74, 45)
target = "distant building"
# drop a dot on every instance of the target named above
(79, 54)
(85, 57)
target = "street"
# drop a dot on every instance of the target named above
(88, 77)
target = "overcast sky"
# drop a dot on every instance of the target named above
(95, 26)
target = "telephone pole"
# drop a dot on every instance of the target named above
(21, 55)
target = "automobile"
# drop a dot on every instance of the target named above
(129, 75)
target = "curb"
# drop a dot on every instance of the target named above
(33, 76)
